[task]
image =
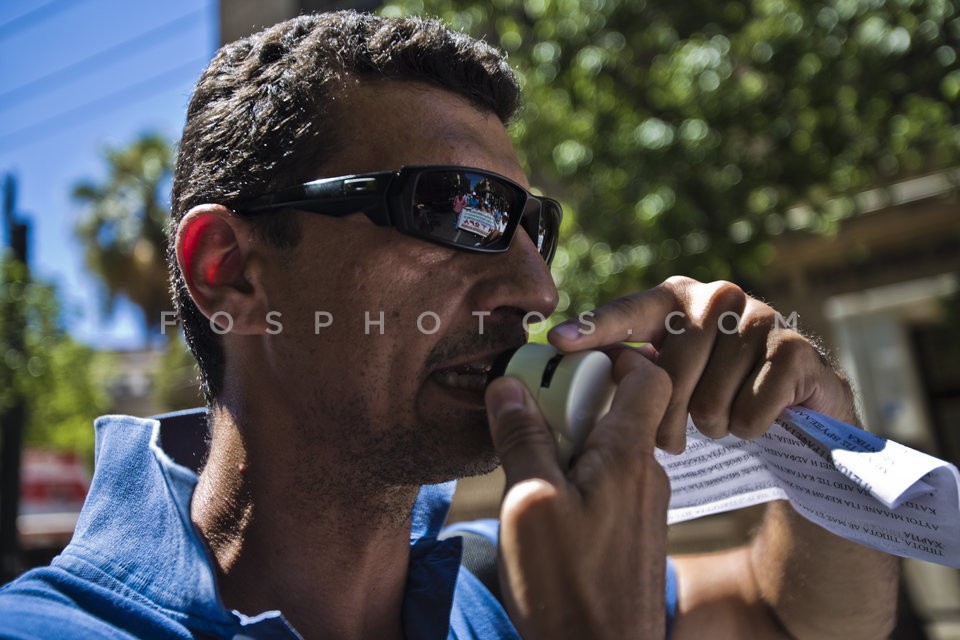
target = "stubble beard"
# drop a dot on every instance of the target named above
(380, 469)
(375, 465)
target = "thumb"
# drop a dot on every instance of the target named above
(521, 437)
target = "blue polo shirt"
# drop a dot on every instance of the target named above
(137, 567)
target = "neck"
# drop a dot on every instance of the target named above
(288, 533)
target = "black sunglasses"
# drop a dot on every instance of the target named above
(460, 207)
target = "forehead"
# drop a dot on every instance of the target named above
(389, 124)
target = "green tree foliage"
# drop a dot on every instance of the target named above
(124, 236)
(124, 226)
(682, 135)
(42, 365)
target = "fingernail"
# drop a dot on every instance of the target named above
(568, 330)
(505, 397)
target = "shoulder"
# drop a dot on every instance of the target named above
(488, 528)
(37, 605)
(477, 611)
(52, 603)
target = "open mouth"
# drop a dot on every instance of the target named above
(471, 376)
(475, 375)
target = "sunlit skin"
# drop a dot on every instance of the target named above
(356, 423)
(321, 439)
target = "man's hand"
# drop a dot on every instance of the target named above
(582, 554)
(734, 366)
(734, 363)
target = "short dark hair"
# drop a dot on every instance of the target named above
(265, 102)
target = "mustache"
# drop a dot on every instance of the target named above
(496, 336)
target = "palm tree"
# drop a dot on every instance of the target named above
(123, 227)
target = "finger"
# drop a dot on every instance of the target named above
(629, 429)
(686, 352)
(739, 346)
(790, 373)
(683, 359)
(649, 352)
(521, 437)
(644, 349)
(626, 358)
(640, 317)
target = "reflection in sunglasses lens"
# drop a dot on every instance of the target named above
(468, 209)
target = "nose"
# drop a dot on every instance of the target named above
(516, 279)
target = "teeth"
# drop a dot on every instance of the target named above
(475, 367)
(469, 381)
(471, 376)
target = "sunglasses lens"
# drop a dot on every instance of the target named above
(548, 229)
(466, 209)
(542, 222)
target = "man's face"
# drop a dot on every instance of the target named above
(408, 404)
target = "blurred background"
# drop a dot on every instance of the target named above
(807, 150)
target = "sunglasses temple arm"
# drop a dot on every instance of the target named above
(334, 197)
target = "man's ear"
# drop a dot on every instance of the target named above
(215, 255)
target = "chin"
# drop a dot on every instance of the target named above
(470, 462)
(459, 464)
(479, 468)
(463, 453)
(432, 447)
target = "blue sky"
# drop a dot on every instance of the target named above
(76, 76)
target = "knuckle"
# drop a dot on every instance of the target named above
(849, 395)
(725, 287)
(649, 381)
(717, 306)
(747, 429)
(725, 296)
(625, 362)
(673, 441)
(757, 320)
(660, 384)
(672, 445)
(658, 480)
(790, 350)
(679, 283)
(650, 482)
(519, 430)
(529, 503)
(607, 460)
(710, 419)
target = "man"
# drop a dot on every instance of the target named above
(344, 353)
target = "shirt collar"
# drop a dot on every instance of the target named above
(136, 528)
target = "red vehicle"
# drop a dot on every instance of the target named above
(53, 486)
